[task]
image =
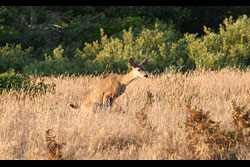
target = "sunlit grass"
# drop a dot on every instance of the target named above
(152, 124)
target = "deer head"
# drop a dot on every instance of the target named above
(138, 70)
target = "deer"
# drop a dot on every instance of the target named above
(110, 88)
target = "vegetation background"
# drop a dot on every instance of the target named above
(46, 40)
(194, 105)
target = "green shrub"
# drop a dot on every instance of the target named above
(229, 47)
(112, 54)
(163, 45)
(11, 80)
(178, 57)
(14, 57)
(116, 27)
(57, 64)
(8, 34)
(85, 29)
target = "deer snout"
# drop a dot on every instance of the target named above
(146, 75)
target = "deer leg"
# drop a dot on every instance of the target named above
(107, 101)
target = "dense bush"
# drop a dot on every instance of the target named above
(164, 46)
(15, 81)
(57, 63)
(14, 57)
(229, 47)
(161, 43)
(85, 29)
(45, 27)
(112, 54)
(116, 27)
(10, 80)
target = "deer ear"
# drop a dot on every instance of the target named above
(144, 62)
(131, 61)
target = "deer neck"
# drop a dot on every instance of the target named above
(127, 78)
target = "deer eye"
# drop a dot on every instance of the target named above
(139, 69)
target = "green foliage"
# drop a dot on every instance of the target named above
(83, 29)
(57, 63)
(116, 27)
(112, 54)
(161, 44)
(14, 57)
(46, 40)
(229, 47)
(11, 80)
(53, 65)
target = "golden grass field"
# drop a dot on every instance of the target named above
(150, 126)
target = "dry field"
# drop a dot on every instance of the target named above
(155, 122)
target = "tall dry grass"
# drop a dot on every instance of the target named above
(150, 126)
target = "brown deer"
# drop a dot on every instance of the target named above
(111, 87)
